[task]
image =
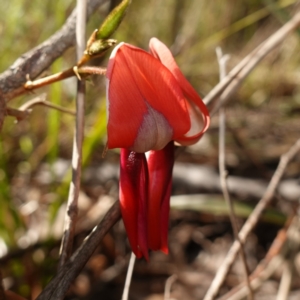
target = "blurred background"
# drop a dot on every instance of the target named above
(262, 124)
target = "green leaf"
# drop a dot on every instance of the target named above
(215, 204)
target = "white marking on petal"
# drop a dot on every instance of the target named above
(107, 81)
(155, 132)
(111, 62)
(197, 122)
(115, 50)
(110, 67)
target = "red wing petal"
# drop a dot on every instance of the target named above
(160, 165)
(197, 109)
(164, 218)
(200, 121)
(133, 199)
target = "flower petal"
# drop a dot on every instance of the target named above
(145, 98)
(134, 198)
(160, 166)
(164, 218)
(198, 112)
(125, 109)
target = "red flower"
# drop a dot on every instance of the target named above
(150, 105)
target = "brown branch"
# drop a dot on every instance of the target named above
(85, 70)
(91, 70)
(59, 285)
(31, 85)
(170, 281)
(46, 103)
(258, 274)
(2, 110)
(252, 220)
(38, 59)
(2, 293)
(72, 208)
(222, 59)
(229, 85)
(24, 111)
(292, 250)
(17, 113)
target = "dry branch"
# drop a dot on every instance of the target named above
(38, 59)
(222, 92)
(252, 221)
(72, 207)
(59, 285)
(222, 60)
(128, 276)
(262, 272)
(2, 294)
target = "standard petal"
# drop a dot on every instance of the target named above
(133, 199)
(198, 112)
(125, 106)
(160, 166)
(141, 91)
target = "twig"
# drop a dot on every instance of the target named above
(84, 70)
(256, 282)
(23, 112)
(128, 277)
(17, 113)
(292, 250)
(59, 285)
(286, 280)
(222, 59)
(259, 274)
(2, 293)
(215, 93)
(286, 244)
(38, 59)
(168, 286)
(46, 103)
(71, 211)
(30, 85)
(2, 110)
(91, 70)
(252, 220)
(228, 86)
